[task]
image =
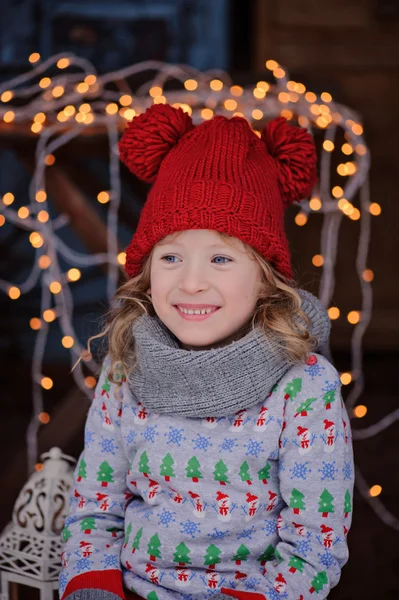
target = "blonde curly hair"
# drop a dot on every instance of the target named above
(278, 308)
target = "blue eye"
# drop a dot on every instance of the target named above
(168, 256)
(164, 258)
(224, 258)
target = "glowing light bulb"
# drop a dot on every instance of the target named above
(271, 65)
(326, 97)
(36, 127)
(36, 239)
(6, 96)
(236, 90)
(375, 209)
(8, 198)
(35, 324)
(301, 219)
(40, 196)
(43, 216)
(82, 87)
(49, 160)
(190, 85)
(368, 275)
(333, 313)
(279, 73)
(14, 292)
(360, 411)
(49, 315)
(230, 104)
(347, 149)
(74, 274)
(315, 204)
(44, 418)
(318, 260)
(90, 381)
(206, 113)
(63, 63)
(103, 197)
(160, 100)
(90, 79)
(47, 383)
(375, 490)
(357, 129)
(337, 191)
(259, 94)
(44, 82)
(34, 57)
(67, 341)
(283, 97)
(257, 114)
(9, 116)
(112, 108)
(39, 117)
(122, 258)
(310, 97)
(2, 220)
(23, 212)
(125, 100)
(58, 91)
(263, 85)
(345, 378)
(44, 261)
(55, 287)
(288, 114)
(155, 91)
(353, 317)
(300, 88)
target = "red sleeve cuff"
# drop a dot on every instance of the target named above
(109, 581)
(243, 595)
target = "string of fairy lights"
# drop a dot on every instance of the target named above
(62, 106)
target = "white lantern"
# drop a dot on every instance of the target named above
(30, 545)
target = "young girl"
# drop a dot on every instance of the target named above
(218, 460)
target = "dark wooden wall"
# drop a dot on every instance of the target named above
(350, 48)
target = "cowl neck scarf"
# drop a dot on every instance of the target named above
(215, 382)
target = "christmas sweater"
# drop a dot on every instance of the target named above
(255, 506)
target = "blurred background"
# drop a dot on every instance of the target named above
(348, 48)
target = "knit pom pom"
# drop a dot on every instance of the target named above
(294, 152)
(149, 137)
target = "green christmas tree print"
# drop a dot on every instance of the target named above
(305, 407)
(211, 557)
(143, 464)
(65, 534)
(319, 582)
(266, 555)
(181, 554)
(293, 388)
(127, 534)
(152, 596)
(296, 501)
(241, 554)
(87, 525)
(220, 473)
(264, 473)
(105, 388)
(193, 469)
(278, 556)
(329, 398)
(82, 473)
(326, 503)
(153, 547)
(113, 530)
(347, 503)
(104, 474)
(296, 564)
(136, 541)
(244, 473)
(166, 469)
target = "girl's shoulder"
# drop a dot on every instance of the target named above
(316, 374)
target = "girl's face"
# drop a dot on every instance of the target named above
(197, 269)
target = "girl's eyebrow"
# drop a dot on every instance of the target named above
(183, 246)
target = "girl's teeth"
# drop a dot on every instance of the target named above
(203, 311)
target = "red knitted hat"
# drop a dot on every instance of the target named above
(218, 175)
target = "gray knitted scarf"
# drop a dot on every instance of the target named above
(214, 382)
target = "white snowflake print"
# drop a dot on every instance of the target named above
(131, 437)
(315, 370)
(303, 547)
(63, 581)
(327, 559)
(190, 528)
(108, 445)
(202, 442)
(165, 517)
(246, 534)
(228, 445)
(300, 470)
(252, 583)
(328, 471)
(270, 527)
(89, 438)
(150, 433)
(254, 448)
(347, 471)
(330, 386)
(273, 595)
(218, 535)
(175, 436)
(83, 564)
(111, 562)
